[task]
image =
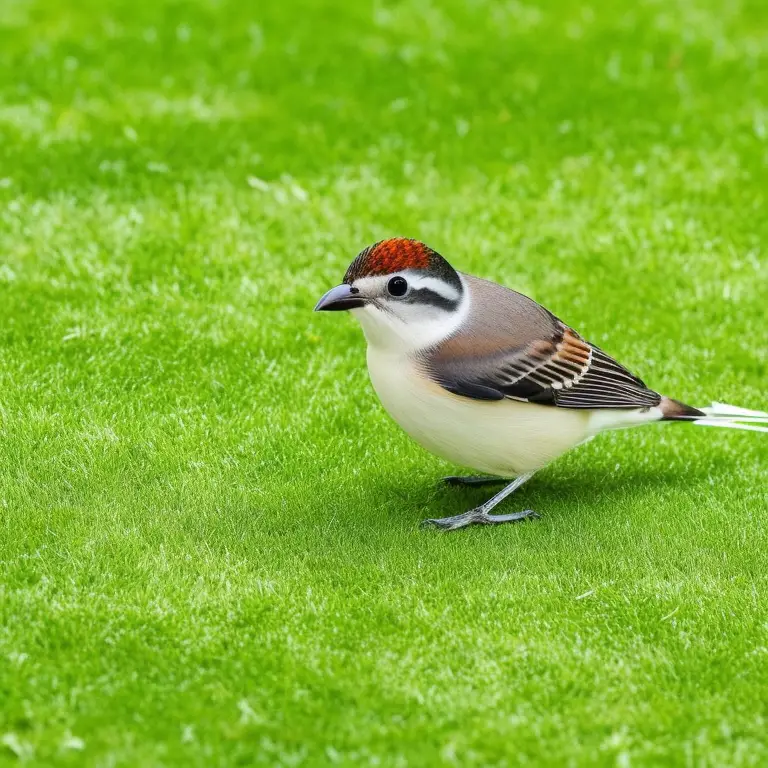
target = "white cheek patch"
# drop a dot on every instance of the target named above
(410, 328)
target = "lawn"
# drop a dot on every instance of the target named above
(209, 541)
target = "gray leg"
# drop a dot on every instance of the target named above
(479, 515)
(475, 481)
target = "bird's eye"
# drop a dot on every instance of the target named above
(397, 286)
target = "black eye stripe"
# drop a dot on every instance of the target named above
(428, 296)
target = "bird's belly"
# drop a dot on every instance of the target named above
(503, 437)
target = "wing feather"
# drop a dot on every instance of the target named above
(528, 354)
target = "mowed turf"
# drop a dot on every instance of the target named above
(209, 541)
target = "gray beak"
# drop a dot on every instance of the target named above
(339, 298)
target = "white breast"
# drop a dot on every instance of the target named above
(504, 437)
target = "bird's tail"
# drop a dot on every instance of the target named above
(716, 415)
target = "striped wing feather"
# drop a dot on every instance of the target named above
(534, 357)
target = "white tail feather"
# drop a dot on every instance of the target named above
(723, 409)
(726, 424)
(732, 417)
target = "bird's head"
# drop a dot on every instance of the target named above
(405, 295)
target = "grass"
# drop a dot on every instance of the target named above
(209, 551)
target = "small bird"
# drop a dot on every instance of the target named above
(487, 378)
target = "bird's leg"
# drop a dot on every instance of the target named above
(479, 515)
(474, 481)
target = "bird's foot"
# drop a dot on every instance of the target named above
(478, 517)
(473, 481)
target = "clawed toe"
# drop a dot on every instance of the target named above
(526, 514)
(447, 523)
(477, 517)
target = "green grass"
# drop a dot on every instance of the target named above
(209, 542)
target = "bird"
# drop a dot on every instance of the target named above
(489, 379)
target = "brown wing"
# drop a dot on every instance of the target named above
(514, 348)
